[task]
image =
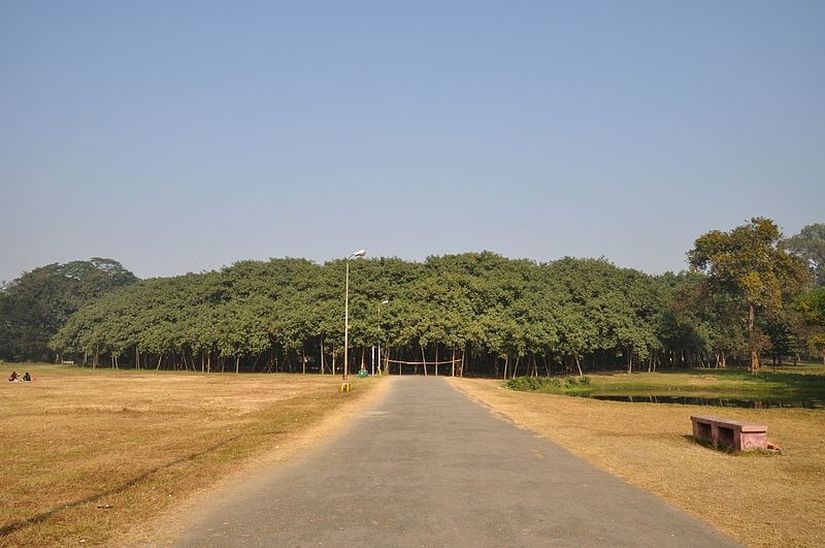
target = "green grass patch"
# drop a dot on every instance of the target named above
(787, 383)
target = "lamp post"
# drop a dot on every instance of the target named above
(381, 332)
(359, 253)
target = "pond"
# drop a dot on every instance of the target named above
(806, 403)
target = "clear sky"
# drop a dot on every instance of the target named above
(183, 136)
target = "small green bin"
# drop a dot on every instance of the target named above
(363, 374)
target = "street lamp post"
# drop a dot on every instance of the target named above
(359, 253)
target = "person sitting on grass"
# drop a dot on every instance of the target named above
(13, 377)
(27, 377)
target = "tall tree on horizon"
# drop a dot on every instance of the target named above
(750, 264)
(809, 244)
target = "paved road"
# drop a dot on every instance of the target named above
(426, 466)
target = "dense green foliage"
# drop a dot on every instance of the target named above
(809, 244)
(498, 314)
(492, 315)
(811, 306)
(549, 384)
(34, 306)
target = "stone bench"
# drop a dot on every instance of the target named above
(729, 434)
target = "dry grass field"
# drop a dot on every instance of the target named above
(760, 500)
(87, 454)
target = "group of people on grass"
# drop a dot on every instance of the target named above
(15, 377)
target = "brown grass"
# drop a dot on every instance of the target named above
(759, 500)
(88, 454)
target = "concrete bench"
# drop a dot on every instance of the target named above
(730, 434)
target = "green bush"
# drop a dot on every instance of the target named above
(534, 384)
(547, 384)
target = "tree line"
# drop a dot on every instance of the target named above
(748, 293)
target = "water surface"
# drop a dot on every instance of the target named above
(806, 403)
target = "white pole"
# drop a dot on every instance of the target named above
(359, 253)
(346, 324)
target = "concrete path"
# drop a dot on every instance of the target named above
(426, 466)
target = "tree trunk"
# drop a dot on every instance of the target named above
(579, 366)
(321, 361)
(237, 363)
(506, 366)
(424, 359)
(754, 352)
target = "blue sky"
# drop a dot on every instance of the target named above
(184, 136)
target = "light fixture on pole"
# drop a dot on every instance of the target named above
(359, 253)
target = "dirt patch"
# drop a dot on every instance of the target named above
(759, 500)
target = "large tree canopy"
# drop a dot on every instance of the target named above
(503, 316)
(34, 306)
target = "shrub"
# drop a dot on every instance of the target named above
(534, 384)
(547, 384)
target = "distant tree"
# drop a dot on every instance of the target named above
(37, 304)
(750, 265)
(812, 307)
(810, 245)
(785, 334)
